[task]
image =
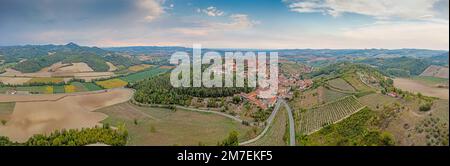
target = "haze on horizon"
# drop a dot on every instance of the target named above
(268, 24)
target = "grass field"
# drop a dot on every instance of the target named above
(91, 86)
(112, 83)
(79, 87)
(156, 126)
(33, 89)
(355, 81)
(137, 68)
(431, 81)
(58, 89)
(307, 99)
(7, 108)
(136, 77)
(327, 95)
(341, 84)
(276, 133)
(46, 80)
(377, 101)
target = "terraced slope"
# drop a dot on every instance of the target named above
(314, 119)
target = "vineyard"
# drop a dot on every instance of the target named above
(314, 119)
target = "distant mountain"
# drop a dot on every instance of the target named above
(440, 59)
(147, 49)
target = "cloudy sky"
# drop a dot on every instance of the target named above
(228, 23)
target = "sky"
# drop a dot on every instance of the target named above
(263, 24)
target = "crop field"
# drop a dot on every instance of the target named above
(91, 86)
(277, 131)
(46, 80)
(167, 67)
(158, 126)
(69, 89)
(52, 112)
(355, 81)
(431, 81)
(417, 87)
(33, 89)
(112, 83)
(79, 87)
(137, 68)
(58, 89)
(377, 101)
(341, 84)
(6, 108)
(136, 77)
(316, 118)
(327, 95)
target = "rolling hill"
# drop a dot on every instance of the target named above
(32, 58)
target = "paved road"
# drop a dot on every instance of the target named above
(270, 120)
(291, 123)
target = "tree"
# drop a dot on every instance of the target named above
(232, 139)
(425, 107)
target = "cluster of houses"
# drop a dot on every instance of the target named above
(285, 91)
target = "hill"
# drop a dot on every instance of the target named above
(436, 71)
(32, 58)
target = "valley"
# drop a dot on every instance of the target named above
(334, 101)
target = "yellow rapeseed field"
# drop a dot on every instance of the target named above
(69, 88)
(112, 83)
(49, 89)
(137, 68)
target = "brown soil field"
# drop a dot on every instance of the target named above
(14, 73)
(436, 71)
(416, 87)
(75, 68)
(112, 67)
(14, 80)
(33, 115)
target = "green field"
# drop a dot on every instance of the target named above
(377, 101)
(341, 84)
(33, 89)
(431, 81)
(353, 131)
(58, 89)
(136, 77)
(79, 87)
(328, 95)
(157, 126)
(323, 115)
(91, 86)
(355, 82)
(275, 136)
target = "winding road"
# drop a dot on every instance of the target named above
(270, 120)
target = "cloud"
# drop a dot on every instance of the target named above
(152, 8)
(211, 11)
(380, 9)
(236, 22)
